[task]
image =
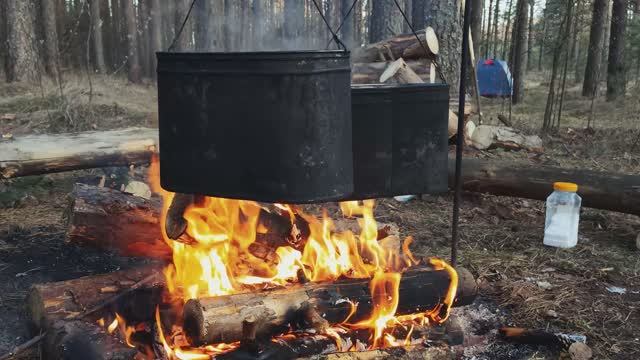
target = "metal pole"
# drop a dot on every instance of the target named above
(460, 135)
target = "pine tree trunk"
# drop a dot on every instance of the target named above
(575, 33)
(50, 27)
(348, 28)
(183, 42)
(133, 61)
(496, 22)
(616, 83)
(3, 37)
(607, 38)
(543, 36)
(98, 46)
(385, 20)
(294, 21)
(116, 32)
(530, 36)
(417, 14)
(507, 30)
(476, 25)
(442, 16)
(489, 33)
(107, 29)
(155, 31)
(144, 38)
(22, 63)
(520, 50)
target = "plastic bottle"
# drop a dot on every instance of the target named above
(563, 216)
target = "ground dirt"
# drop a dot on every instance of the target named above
(522, 283)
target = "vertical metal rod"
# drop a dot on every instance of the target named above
(460, 136)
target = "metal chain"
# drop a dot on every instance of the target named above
(184, 22)
(344, 20)
(326, 22)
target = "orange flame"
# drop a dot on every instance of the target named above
(217, 260)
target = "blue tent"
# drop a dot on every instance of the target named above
(494, 78)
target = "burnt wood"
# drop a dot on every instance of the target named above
(220, 319)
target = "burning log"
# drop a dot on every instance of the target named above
(129, 225)
(219, 319)
(402, 46)
(43, 154)
(369, 73)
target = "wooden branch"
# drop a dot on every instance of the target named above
(43, 154)
(402, 46)
(219, 319)
(608, 191)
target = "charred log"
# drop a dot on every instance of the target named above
(219, 319)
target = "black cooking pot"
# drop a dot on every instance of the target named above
(399, 139)
(266, 126)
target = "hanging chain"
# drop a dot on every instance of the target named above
(184, 22)
(326, 22)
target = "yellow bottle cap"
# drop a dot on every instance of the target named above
(565, 186)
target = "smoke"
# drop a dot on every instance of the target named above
(258, 25)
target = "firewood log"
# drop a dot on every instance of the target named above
(130, 226)
(219, 319)
(369, 73)
(43, 154)
(402, 46)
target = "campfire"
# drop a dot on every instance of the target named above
(235, 286)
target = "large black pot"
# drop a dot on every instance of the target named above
(266, 126)
(399, 139)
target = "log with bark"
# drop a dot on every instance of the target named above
(220, 319)
(600, 190)
(129, 225)
(369, 73)
(66, 312)
(402, 46)
(43, 154)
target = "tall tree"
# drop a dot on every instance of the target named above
(293, 20)
(417, 14)
(96, 32)
(476, 25)
(3, 35)
(50, 27)
(615, 70)
(519, 51)
(22, 54)
(385, 20)
(489, 37)
(443, 16)
(155, 30)
(496, 22)
(507, 30)
(575, 33)
(184, 40)
(348, 28)
(144, 38)
(133, 61)
(532, 4)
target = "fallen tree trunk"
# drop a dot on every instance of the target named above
(43, 154)
(369, 73)
(608, 191)
(402, 46)
(222, 319)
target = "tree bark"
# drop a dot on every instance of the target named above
(476, 24)
(155, 31)
(496, 22)
(385, 20)
(208, 320)
(294, 20)
(520, 50)
(348, 28)
(442, 16)
(42, 154)
(507, 30)
(144, 18)
(50, 26)
(96, 32)
(183, 42)
(616, 84)
(599, 190)
(489, 31)
(133, 60)
(530, 36)
(400, 73)
(22, 55)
